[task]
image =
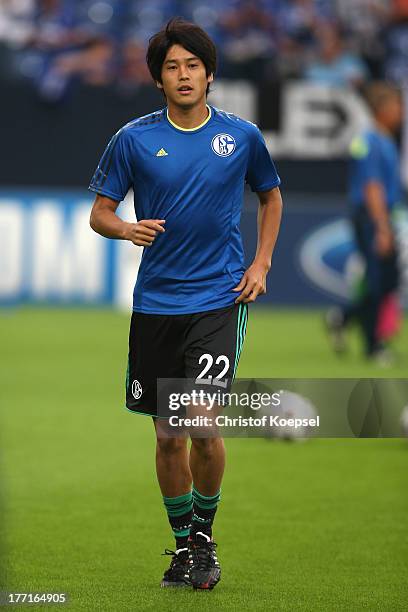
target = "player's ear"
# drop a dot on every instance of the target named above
(159, 85)
(210, 79)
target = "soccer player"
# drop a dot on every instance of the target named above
(375, 189)
(187, 164)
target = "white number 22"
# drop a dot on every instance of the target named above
(210, 360)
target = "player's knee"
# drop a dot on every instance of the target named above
(206, 447)
(170, 446)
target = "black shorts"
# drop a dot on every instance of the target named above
(195, 346)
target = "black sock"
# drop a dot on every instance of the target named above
(204, 509)
(181, 542)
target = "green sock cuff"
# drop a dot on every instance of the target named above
(206, 501)
(181, 533)
(180, 499)
(177, 506)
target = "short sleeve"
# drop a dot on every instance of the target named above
(261, 172)
(366, 156)
(355, 69)
(114, 175)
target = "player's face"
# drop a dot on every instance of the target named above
(184, 79)
(390, 114)
(394, 112)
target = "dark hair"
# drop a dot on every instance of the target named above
(188, 35)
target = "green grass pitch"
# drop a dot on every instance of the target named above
(320, 525)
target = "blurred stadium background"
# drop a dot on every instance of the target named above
(327, 519)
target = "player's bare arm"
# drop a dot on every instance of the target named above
(253, 282)
(106, 222)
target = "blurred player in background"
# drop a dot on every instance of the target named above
(187, 165)
(375, 189)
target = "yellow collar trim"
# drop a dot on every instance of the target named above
(190, 129)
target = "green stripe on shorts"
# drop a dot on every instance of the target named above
(241, 331)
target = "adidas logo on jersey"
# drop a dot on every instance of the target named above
(161, 153)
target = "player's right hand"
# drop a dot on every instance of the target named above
(144, 232)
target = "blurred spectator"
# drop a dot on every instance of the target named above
(396, 43)
(249, 37)
(146, 18)
(400, 9)
(55, 25)
(364, 17)
(364, 20)
(133, 69)
(209, 14)
(16, 21)
(57, 43)
(67, 45)
(93, 64)
(333, 64)
(297, 20)
(16, 28)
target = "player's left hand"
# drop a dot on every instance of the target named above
(252, 284)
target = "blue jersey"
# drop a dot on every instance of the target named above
(194, 179)
(374, 158)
